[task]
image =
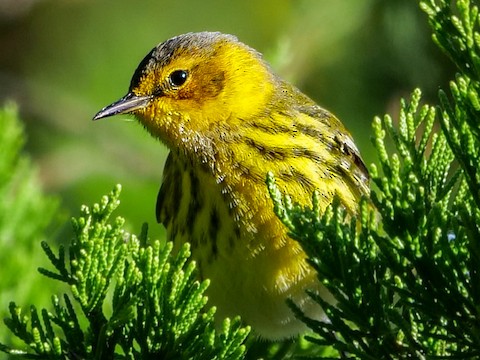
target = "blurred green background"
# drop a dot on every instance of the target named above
(61, 61)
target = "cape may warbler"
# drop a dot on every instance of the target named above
(228, 120)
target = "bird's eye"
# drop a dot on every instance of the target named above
(178, 78)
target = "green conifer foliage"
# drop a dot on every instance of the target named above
(405, 271)
(157, 303)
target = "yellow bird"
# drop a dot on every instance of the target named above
(228, 120)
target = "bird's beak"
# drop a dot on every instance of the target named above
(126, 105)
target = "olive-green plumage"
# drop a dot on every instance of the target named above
(229, 120)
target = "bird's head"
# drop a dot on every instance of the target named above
(194, 83)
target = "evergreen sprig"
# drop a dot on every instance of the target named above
(157, 305)
(404, 272)
(405, 287)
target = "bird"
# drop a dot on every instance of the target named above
(229, 120)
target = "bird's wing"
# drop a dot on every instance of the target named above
(351, 163)
(169, 192)
(348, 161)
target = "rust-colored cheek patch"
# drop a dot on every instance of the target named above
(204, 87)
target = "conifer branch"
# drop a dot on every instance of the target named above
(158, 306)
(406, 285)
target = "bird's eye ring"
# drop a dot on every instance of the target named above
(178, 78)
